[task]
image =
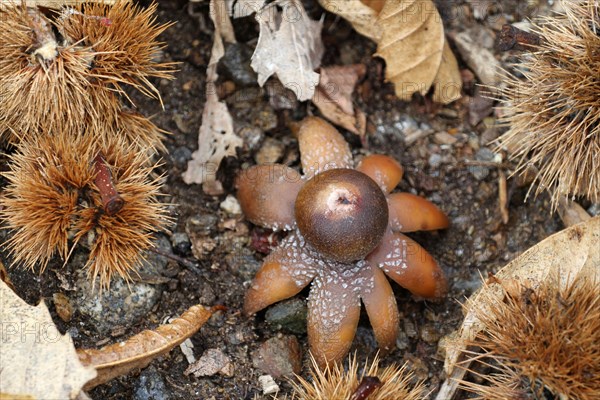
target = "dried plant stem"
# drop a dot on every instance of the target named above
(112, 201)
(183, 261)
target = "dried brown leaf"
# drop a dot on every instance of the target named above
(410, 38)
(448, 82)
(289, 45)
(411, 45)
(362, 17)
(333, 97)
(35, 359)
(138, 351)
(568, 254)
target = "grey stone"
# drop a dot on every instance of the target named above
(279, 356)
(236, 62)
(150, 386)
(181, 243)
(290, 315)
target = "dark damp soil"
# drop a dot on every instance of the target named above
(446, 160)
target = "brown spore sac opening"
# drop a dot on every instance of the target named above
(342, 213)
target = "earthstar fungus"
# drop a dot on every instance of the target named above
(346, 236)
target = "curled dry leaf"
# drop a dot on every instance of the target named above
(333, 97)
(569, 254)
(410, 38)
(289, 45)
(137, 352)
(36, 361)
(216, 138)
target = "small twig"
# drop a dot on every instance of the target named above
(513, 38)
(192, 266)
(112, 201)
(490, 164)
(503, 196)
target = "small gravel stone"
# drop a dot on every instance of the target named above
(444, 138)
(410, 329)
(122, 304)
(181, 243)
(150, 386)
(182, 124)
(479, 59)
(181, 156)
(289, 315)
(155, 264)
(252, 136)
(236, 61)
(231, 205)
(203, 224)
(402, 341)
(268, 384)
(430, 334)
(594, 209)
(213, 361)
(435, 160)
(480, 171)
(279, 356)
(270, 152)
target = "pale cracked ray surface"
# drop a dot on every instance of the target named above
(381, 306)
(322, 147)
(297, 258)
(410, 265)
(334, 308)
(267, 194)
(284, 273)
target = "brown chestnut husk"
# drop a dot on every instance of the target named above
(342, 213)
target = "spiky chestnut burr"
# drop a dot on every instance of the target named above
(374, 383)
(554, 113)
(539, 338)
(74, 82)
(66, 191)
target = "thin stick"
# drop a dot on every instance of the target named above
(183, 261)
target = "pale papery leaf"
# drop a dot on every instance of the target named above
(35, 359)
(289, 45)
(569, 254)
(216, 137)
(138, 351)
(244, 8)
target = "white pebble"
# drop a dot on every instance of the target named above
(269, 386)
